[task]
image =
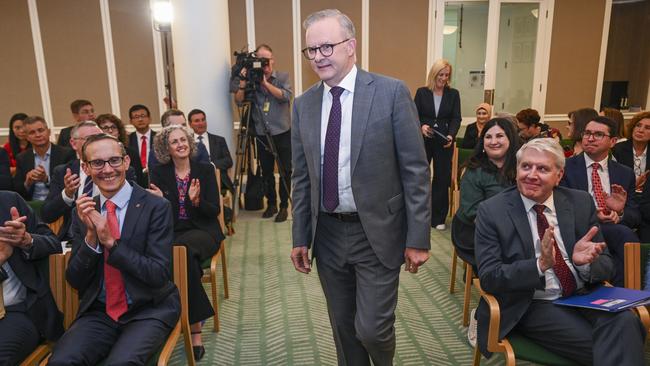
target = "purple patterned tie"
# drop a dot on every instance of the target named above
(331, 154)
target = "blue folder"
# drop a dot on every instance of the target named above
(611, 299)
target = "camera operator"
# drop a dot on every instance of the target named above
(271, 110)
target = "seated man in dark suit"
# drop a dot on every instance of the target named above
(28, 312)
(610, 184)
(5, 173)
(539, 242)
(82, 110)
(142, 139)
(120, 265)
(216, 147)
(69, 182)
(34, 166)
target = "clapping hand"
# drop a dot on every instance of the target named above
(616, 200)
(85, 205)
(154, 190)
(547, 250)
(71, 183)
(6, 250)
(14, 232)
(606, 215)
(586, 251)
(640, 181)
(195, 192)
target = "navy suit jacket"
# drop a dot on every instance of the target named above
(5, 173)
(575, 176)
(25, 163)
(143, 255)
(32, 269)
(135, 146)
(505, 252)
(220, 157)
(55, 207)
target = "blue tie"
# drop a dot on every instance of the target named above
(331, 153)
(202, 154)
(88, 186)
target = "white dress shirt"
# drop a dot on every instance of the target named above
(346, 199)
(13, 291)
(603, 172)
(553, 290)
(206, 141)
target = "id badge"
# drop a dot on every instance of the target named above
(266, 107)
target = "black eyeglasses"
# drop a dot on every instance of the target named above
(326, 49)
(115, 162)
(109, 128)
(596, 135)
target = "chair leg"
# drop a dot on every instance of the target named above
(452, 279)
(215, 297)
(469, 274)
(477, 357)
(224, 270)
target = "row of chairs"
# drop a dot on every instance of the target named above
(67, 298)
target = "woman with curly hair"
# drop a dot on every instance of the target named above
(191, 188)
(112, 125)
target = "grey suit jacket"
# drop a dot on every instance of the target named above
(505, 253)
(390, 174)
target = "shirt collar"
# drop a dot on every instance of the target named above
(204, 135)
(588, 162)
(347, 83)
(121, 198)
(47, 153)
(148, 134)
(528, 203)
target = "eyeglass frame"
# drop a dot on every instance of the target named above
(107, 127)
(597, 135)
(104, 162)
(320, 49)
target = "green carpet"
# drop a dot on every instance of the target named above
(277, 316)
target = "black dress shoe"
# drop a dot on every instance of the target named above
(282, 215)
(199, 352)
(270, 211)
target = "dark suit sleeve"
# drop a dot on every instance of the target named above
(153, 266)
(209, 202)
(495, 275)
(5, 173)
(222, 159)
(54, 206)
(455, 118)
(20, 176)
(300, 185)
(421, 105)
(470, 138)
(45, 242)
(631, 213)
(82, 267)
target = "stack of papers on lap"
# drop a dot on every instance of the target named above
(612, 299)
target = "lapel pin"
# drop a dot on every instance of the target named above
(137, 205)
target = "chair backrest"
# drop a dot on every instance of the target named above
(222, 221)
(57, 279)
(71, 297)
(56, 225)
(636, 260)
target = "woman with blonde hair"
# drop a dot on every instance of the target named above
(438, 107)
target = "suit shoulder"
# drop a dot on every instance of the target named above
(497, 202)
(9, 196)
(574, 195)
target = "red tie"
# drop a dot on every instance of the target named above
(115, 295)
(598, 187)
(143, 151)
(560, 268)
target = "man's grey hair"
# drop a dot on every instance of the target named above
(74, 133)
(545, 144)
(344, 20)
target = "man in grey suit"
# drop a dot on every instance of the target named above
(526, 273)
(360, 190)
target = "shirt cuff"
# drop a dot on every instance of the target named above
(539, 270)
(583, 270)
(68, 201)
(97, 250)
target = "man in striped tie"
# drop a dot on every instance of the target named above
(120, 264)
(537, 242)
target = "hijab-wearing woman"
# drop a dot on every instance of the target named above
(112, 125)
(17, 138)
(633, 152)
(191, 188)
(439, 112)
(473, 130)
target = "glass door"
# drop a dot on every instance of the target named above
(498, 50)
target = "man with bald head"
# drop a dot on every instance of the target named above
(360, 190)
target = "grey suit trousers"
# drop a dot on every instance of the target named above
(361, 293)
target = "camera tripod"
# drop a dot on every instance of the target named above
(246, 151)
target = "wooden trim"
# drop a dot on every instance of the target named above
(602, 60)
(633, 266)
(39, 54)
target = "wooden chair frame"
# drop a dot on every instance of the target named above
(211, 277)
(633, 278)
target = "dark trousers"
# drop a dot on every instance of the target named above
(589, 337)
(94, 337)
(18, 337)
(361, 293)
(282, 144)
(441, 181)
(616, 235)
(200, 246)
